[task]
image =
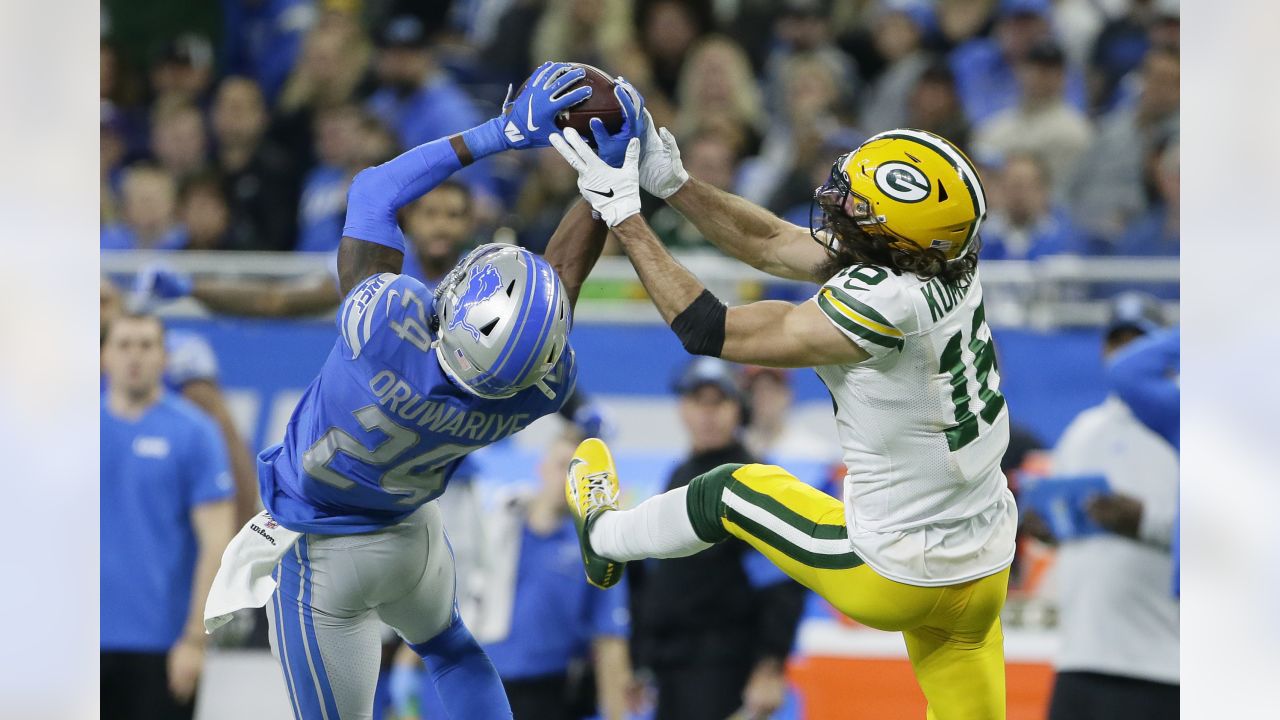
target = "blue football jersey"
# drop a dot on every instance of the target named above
(382, 429)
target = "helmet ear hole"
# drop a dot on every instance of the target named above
(942, 192)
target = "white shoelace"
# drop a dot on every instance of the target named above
(601, 492)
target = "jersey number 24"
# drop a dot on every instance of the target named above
(415, 478)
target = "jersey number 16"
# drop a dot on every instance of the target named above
(965, 429)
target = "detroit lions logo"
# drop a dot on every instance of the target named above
(482, 284)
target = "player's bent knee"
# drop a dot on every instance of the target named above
(706, 502)
(453, 641)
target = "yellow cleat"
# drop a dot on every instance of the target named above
(591, 489)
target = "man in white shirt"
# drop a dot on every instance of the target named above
(1119, 622)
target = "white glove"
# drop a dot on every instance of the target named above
(612, 192)
(661, 172)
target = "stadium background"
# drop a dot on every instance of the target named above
(1047, 294)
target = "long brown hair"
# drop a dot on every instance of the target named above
(856, 246)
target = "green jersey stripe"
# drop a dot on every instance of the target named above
(853, 327)
(861, 307)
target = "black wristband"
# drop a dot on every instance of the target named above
(700, 326)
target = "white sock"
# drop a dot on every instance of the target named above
(656, 528)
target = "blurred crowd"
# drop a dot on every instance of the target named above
(238, 124)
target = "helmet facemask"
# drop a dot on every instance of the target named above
(838, 215)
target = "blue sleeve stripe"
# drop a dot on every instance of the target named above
(359, 309)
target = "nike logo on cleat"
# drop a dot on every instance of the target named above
(605, 194)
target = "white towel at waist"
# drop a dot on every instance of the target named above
(244, 579)
(490, 619)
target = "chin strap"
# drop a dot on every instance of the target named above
(546, 389)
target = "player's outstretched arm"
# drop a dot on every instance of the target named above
(372, 242)
(749, 232)
(740, 228)
(254, 297)
(764, 333)
(575, 247)
(769, 332)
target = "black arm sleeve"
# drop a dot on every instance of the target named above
(779, 608)
(700, 326)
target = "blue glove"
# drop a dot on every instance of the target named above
(529, 120)
(158, 281)
(613, 148)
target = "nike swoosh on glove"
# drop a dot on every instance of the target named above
(661, 172)
(529, 120)
(612, 192)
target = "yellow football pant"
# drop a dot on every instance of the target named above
(952, 632)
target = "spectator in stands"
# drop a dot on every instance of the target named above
(718, 94)
(148, 213)
(714, 628)
(596, 32)
(782, 175)
(183, 73)
(539, 620)
(335, 58)
(1123, 43)
(1118, 622)
(323, 205)
(111, 155)
(204, 212)
(166, 514)
(120, 93)
(805, 29)
(261, 39)
(668, 30)
(550, 186)
(959, 21)
(191, 370)
(897, 31)
(985, 68)
(1156, 232)
(439, 227)
(179, 141)
(1024, 222)
(1042, 122)
(935, 106)
(1076, 24)
(772, 431)
(332, 70)
(419, 100)
(1107, 191)
(259, 179)
(415, 97)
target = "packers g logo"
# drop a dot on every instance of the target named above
(902, 182)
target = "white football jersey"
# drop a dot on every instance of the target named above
(923, 427)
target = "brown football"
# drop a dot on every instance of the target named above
(601, 104)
